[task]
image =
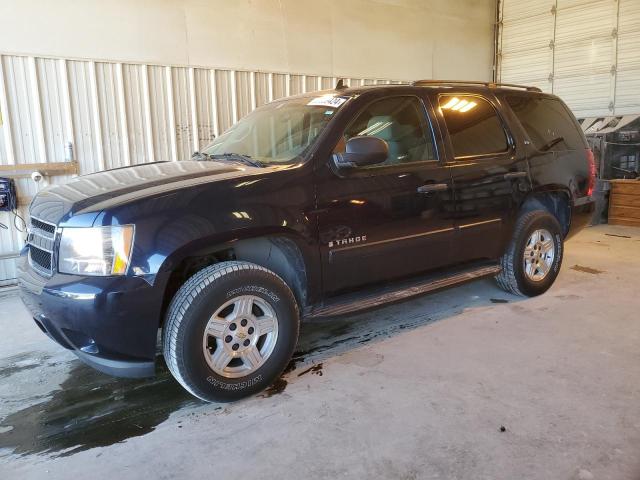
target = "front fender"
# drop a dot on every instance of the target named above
(279, 249)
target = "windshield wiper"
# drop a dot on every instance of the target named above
(237, 157)
(199, 156)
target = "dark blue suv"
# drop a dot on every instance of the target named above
(316, 205)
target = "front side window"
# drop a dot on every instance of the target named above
(399, 121)
(547, 122)
(474, 126)
(279, 132)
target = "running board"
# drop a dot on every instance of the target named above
(356, 302)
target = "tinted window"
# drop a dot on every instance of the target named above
(474, 126)
(548, 123)
(399, 121)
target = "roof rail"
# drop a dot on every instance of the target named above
(419, 83)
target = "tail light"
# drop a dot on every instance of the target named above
(592, 172)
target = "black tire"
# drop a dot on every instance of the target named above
(512, 278)
(189, 312)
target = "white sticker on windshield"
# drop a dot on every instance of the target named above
(328, 101)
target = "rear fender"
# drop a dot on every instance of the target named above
(556, 199)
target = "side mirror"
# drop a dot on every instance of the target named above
(362, 151)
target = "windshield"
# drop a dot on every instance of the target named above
(278, 132)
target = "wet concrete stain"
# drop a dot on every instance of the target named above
(275, 388)
(90, 410)
(580, 268)
(281, 383)
(499, 300)
(13, 369)
(22, 362)
(322, 339)
(330, 336)
(619, 236)
(293, 363)
(315, 370)
(316, 349)
(519, 308)
(569, 297)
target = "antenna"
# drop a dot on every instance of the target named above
(340, 85)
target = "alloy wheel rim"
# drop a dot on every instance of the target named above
(240, 336)
(539, 253)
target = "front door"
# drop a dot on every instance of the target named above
(392, 219)
(489, 181)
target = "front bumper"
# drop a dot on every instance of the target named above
(110, 323)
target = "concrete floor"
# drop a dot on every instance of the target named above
(415, 390)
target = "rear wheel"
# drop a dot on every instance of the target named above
(534, 256)
(230, 331)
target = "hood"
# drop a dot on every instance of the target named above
(89, 194)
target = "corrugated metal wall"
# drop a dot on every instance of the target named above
(118, 114)
(585, 51)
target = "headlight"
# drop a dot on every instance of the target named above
(96, 251)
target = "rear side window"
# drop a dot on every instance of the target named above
(548, 123)
(473, 125)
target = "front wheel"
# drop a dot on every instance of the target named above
(534, 256)
(230, 331)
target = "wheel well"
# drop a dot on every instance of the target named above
(556, 203)
(279, 254)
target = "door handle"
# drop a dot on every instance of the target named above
(514, 175)
(433, 187)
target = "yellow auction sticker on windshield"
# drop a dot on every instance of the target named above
(328, 101)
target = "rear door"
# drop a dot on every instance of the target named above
(389, 220)
(558, 149)
(489, 179)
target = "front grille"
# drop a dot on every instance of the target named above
(41, 240)
(46, 227)
(40, 257)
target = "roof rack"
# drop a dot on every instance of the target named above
(419, 83)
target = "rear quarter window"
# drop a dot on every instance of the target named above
(548, 122)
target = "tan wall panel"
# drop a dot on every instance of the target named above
(403, 39)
